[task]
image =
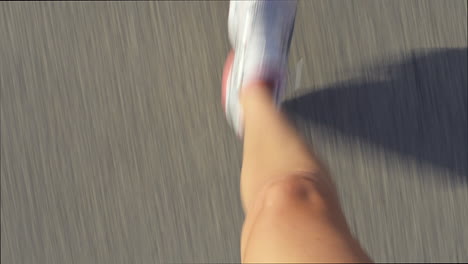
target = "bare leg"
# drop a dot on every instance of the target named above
(293, 212)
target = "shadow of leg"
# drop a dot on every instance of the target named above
(420, 111)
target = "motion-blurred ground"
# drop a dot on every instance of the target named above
(114, 148)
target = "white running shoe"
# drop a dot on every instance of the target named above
(260, 33)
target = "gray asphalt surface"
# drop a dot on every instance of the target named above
(114, 147)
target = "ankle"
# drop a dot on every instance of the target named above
(255, 93)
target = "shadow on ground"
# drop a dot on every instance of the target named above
(420, 109)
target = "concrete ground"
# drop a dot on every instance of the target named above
(114, 147)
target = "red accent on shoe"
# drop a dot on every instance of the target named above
(226, 73)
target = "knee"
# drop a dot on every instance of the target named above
(297, 191)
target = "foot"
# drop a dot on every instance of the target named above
(261, 41)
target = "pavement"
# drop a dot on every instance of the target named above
(114, 146)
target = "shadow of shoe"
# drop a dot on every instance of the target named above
(420, 110)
